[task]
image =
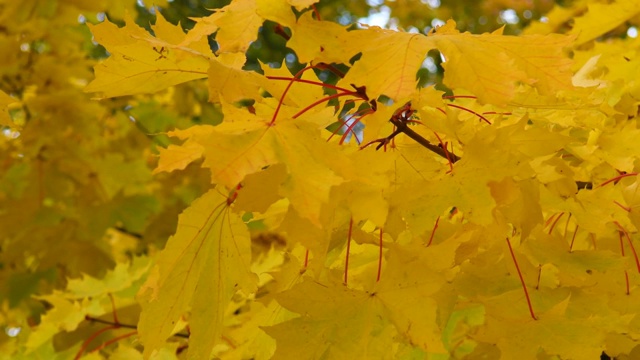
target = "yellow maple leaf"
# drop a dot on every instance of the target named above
(575, 268)
(320, 41)
(555, 19)
(603, 17)
(595, 210)
(244, 144)
(394, 57)
(533, 59)
(556, 331)
(236, 26)
(620, 148)
(331, 314)
(302, 4)
(518, 202)
(140, 63)
(406, 290)
(399, 305)
(177, 157)
(5, 102)
(631, 194)
(194, 273)
(228, 81)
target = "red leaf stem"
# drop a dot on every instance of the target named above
(433, 231)
(470, 111)
(617, 178)
(554, 222)
(86, 343)
(346, 263)
(524, 287)
(286, 90)
(329, 86)
(114, 340)
(459, 97)
(380, 257)
(573, 238)
(325, 99)
(633, 249)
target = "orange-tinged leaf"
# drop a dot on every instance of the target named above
(239, 148)
(394, 57)
(542, 58)
(202, 266)
(140, 63)
(246, 145)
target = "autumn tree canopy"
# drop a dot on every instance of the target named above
(304, 179)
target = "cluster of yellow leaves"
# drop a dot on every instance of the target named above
(502, 187)
(521, 249)
(76, 187)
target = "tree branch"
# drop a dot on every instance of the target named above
(404, 128)
(127, 326)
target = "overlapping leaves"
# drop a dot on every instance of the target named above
(400, 252)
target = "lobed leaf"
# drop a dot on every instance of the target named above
(202, 266)
(140, 63)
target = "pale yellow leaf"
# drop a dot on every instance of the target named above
(602, 18)
(140, 63)
(202, 266)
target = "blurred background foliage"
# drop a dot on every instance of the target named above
(77, 194)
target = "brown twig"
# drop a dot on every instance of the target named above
(402, 127)
(127, 326)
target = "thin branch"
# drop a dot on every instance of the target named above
(403, 128)
(127, 326)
